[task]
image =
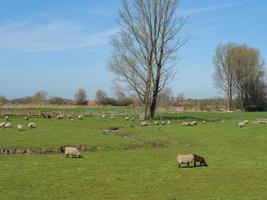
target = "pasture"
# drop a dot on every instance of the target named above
(137, 162)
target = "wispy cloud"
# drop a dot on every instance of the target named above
(50, 36)
(199, 10)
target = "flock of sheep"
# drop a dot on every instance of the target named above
(246, 122)
(7, 124)
(181, 159)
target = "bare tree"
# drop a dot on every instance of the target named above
(249, 77)
(144, 50)
(80, 97)
(224, 72)
(101, 96)
(239, 71)
(40, 96)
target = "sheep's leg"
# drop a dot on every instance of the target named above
(187, 164)
(195, 163)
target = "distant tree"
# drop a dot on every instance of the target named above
(165, 97)
(249, 77)
(57, 100)
(224, 72)
(3, 100)
(239, 71)
(40, 96)
(144, 50)
(101, 96)
(80, 97)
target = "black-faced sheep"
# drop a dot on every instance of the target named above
(200, 160)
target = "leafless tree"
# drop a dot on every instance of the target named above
(80, 97)
(144, 50)
(224, 72)
(239, 71)
(101, 96)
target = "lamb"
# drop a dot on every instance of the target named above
(127, 118)
(132, 119)
(26, 118)
(184, 159)
(80, 117)
(103, 116)
(204, 122)
(193, 123)
(20, 127)
(6, 118)
(169, 122)
(163, 123)
(199, 159)
(2, 124)
(31, 125)
(71, 151)
(8, 125)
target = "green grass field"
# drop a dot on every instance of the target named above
(133, 169)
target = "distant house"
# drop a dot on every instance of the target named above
(91, 103)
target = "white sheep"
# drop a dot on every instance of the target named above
(71, 151)
(241, 124)
(132, 119)
(156, 123)
(204, 122)
(31, 125)
(186, 124)
(20, 127)
(103, 116)
(163, 123)
(144, 124)
(193, 123)
(2, 124)
(184, 159)
(127, 118)
(69, 116)
(6, 118)
(8, 125)
(26, 118)
(60, 116)
(169, 122)
(80, 117)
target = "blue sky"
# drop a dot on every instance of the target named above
(61, 46)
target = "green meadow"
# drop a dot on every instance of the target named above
(137, 162)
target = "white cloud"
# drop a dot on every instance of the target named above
(199, 10)
(50, 36)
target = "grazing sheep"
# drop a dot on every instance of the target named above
(6, 118)
(8, 125)
(169, 122)
(69, 116)
(132, 119)
(2, 124)
(163, 123)
(156, 123)
(241, 124)
(193, 123)
(144, 124)
(184, 159)
(204, 122)
(26, 118)
(127, 118)
(246, 122)
(80, 117)
(199, 159)
(20, 127)
(71, 151)
(103, 116)
(149, 124)
(186, 124)
(31, 125)
(60, 117)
